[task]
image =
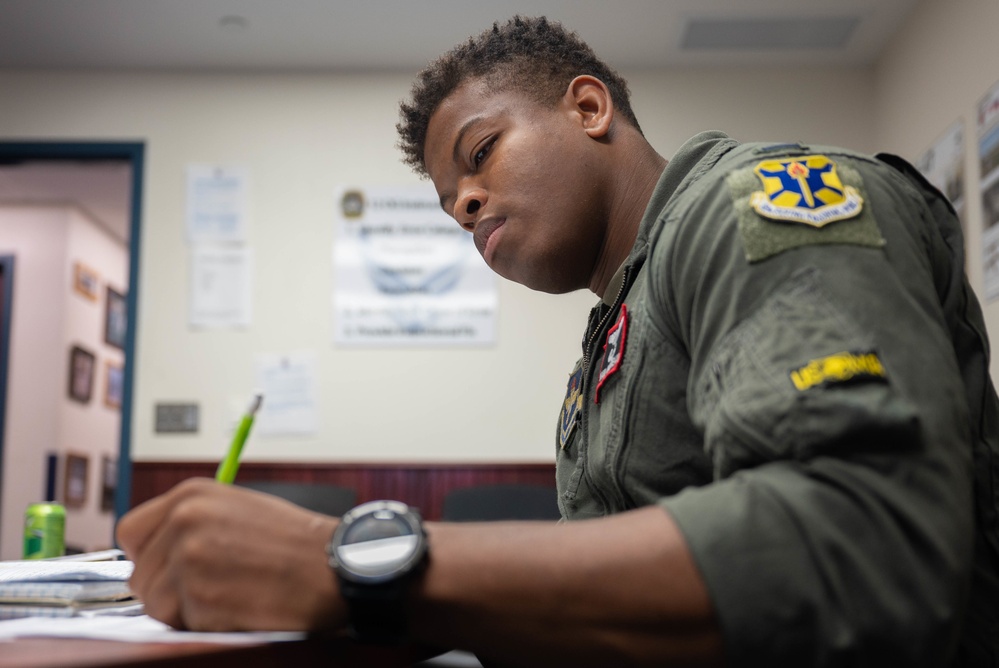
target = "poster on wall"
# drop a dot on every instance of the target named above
(289, 384)
(988, 155)
(217, 203)
(405, 274)
(943, 165)
(220, 287)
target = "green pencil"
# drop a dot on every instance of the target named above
(226, 472)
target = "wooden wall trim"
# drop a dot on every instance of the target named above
(418, 484)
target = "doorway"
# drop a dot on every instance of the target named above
(87, 155)
(6, 295)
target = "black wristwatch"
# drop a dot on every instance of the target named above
(375, 552)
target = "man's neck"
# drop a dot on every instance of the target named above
(631, 192)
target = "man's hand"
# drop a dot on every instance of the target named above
(212, 557)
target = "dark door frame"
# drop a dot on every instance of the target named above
(7, 267)
(12, 152)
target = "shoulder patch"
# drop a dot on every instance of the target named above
(787, 202)
(804, 190)
(838, 368)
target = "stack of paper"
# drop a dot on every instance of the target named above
(65, 589)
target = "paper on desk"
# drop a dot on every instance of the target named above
(49, 571)
(113, 554)
(142, 628)
(64, 588)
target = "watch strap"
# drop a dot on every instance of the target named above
(377, 613)
(377, 605)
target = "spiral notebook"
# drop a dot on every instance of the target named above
(58, 588)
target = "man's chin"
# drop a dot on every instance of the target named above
(552, 285)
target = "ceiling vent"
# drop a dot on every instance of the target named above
(777, 33)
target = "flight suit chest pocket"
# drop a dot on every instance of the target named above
(617, 368)
(568, 464)
(576, 499)
(642, 443)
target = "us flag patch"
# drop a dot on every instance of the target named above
(613, 351)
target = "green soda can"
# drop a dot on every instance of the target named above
(44, 529)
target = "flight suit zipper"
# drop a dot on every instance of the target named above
(583, 428)
(603, 321)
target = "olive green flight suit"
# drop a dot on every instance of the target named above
(793, 365)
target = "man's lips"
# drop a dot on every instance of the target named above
(483, 230)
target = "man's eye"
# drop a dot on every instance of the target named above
(480, 155)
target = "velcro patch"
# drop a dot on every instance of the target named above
(787, 202)
(571, 406)
(838, 368)
(613, 351)
(805, 190)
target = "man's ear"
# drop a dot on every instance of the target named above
(590, 98)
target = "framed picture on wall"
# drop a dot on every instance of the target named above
(109, 481)
(81, 374)
(74, 490)
(114, 379)
(115, 319)
(85, 281)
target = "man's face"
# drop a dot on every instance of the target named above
(524, 179)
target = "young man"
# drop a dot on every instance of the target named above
(781, 431)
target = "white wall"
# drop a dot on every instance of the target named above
(935, 73)
(48, 316)
(301, 136)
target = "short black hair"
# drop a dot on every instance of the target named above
(533, 55)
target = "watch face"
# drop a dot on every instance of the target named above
(378, 544)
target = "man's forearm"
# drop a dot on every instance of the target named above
(621, 590)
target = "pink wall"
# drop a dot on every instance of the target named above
(48, 317)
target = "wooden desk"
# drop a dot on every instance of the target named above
(76, 653)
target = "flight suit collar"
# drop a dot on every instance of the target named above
(697, 155)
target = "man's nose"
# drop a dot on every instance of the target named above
(466, 209)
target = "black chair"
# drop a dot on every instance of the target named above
(322, 498)
(486, 503)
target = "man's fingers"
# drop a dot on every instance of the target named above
(166, 547)
(138, 525)
(161, 598)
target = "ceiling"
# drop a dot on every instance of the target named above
(379, 35)
(99, 190)
(397, 36)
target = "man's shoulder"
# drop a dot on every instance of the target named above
(761, 198)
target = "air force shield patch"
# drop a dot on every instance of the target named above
(805, 190)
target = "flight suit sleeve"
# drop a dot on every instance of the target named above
(838, 529)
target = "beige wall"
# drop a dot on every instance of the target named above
(935, 73)
(814, 104)
(48, 317)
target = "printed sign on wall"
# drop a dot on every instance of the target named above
(943, 165)
(406, 274)
(988, 155)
